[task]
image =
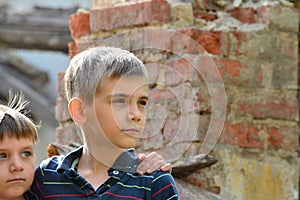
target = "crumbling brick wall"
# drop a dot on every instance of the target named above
(229, 70)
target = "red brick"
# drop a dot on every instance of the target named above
(204, 67)
(240, 44)
(143, 38)
(275, 107)
(61, 110)
(153, 72)
(182, 129)
(207, 69)
(158, 95)
(245, 15)
(79, 24)
(73, 49)
(244, 135)
(156, 38)
(152, 137)
(261, 136)
(130, 14)
(231, 68)
(240, 38)
(182, 43)
(67, 134)
(235, 72)
(283, 137)
(166, 98)
(60, 84)
(178, 71)
(180, 99)
(208, 40)
(206, 16)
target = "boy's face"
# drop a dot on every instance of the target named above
(120, 109)
(16, 165)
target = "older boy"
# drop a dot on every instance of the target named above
(107, 91)
(18, 134)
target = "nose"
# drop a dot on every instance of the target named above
(134, 113)
(16, 164)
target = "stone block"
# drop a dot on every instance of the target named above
(61, 110)
(130, 14)
(245, 15)
(271, 105)
(272, 179)
(279, 17)
(182, 14)
(79, 24)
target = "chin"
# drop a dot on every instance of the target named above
(127, 145)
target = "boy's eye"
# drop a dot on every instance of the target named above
(3, 155)
(118, 101)
(142, 102)
(26, 153)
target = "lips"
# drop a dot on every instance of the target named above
(131, 131)
(16, 180)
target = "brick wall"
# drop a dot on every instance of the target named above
(214, 70)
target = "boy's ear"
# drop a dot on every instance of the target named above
(76, 110)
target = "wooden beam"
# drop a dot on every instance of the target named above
(36, 28)
(40, 105)
(35, 75)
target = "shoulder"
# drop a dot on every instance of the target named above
(45, 172)
(155, 177)
(159, 175)
(61, 162)
(156, 186)
(163, 186)
(48, 166)
(52, 162)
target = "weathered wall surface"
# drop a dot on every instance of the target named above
(248, 73)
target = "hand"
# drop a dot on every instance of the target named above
(152, 162)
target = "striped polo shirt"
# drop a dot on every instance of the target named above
(57, 178)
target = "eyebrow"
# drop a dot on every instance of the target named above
(22, 148)
(124, 96)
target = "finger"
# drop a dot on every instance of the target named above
(151, 162)
(141, 156)
(155, 166)
(143, 167)
(148, 160)
(154, 161)
(167, 168)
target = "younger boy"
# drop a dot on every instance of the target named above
(18, 135)
(107, 91)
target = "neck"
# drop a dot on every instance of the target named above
(99, 151)
(93, 169)
(89, 162)
(16, 198)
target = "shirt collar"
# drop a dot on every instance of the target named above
(126, 162)
(69, 159)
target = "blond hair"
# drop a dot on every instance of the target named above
(88, 69)
(14, 119)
